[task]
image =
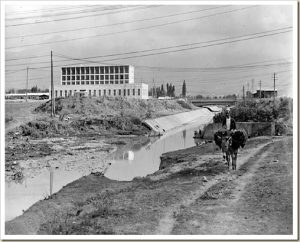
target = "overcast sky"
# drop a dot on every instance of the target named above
(194, 38)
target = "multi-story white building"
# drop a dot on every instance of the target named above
(100, 81)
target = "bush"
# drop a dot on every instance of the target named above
(259, 111)
(135, 120)
(186, 105)
(27, 130)
(8, 119)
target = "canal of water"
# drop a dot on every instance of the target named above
(125, 165)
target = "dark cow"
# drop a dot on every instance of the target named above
(230, 142)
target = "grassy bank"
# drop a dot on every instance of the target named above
(86, 116)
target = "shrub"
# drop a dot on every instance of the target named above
(135, 120)
(259, 111)
(27, 130)
(8, 119)
(185, 105)
(150, 111)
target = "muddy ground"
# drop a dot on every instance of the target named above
(196, 194)
(26, 157)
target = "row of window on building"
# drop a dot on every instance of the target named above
(95, 77)
(95, 70)
(94, 82)
(109, 92)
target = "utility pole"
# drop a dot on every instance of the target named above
(248, 90)
(274, 78)
(244, 94)
(153, 89)
(52, 90)
(259, 89)
(27, 84)
(252, 85)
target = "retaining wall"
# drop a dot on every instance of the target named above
(167, 123)
(253, 129)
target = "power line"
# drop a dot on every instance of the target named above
(30, 57)
(230, 40)
(251, 36)
(87, 59)
(221, 80)
(198, 47)
(85, 16)
(170, 47)
(230, 68)
(225, 81)
(114, 24)
(194, 69)
(181, 69)
(48, 10)
(65, 13)
(130, 30)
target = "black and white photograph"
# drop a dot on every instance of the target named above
(149, 120)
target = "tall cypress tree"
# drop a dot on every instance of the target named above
(168, 89)
(184, 89)
(173, 91)
(162, 90)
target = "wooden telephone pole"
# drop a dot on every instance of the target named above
(274, 78)
(52, 90)
(244, 94)
(259, 89)
(27, 84)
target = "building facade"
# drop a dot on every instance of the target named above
(95, 81)
(265, 93)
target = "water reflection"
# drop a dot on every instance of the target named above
(184, 137)
(51, 180)
(20, 196)
(143, 161)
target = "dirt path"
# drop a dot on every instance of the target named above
(168, 221)
(255, 200)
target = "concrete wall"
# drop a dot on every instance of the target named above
(253, 129)
(164, 124)
(257, 128)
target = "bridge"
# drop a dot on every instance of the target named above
(221, 102)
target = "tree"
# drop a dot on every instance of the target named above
(248, 94)
(12, 90)
(168, 89)
(34, 89)
(162, 91)
(173, 91)
(183, 89)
